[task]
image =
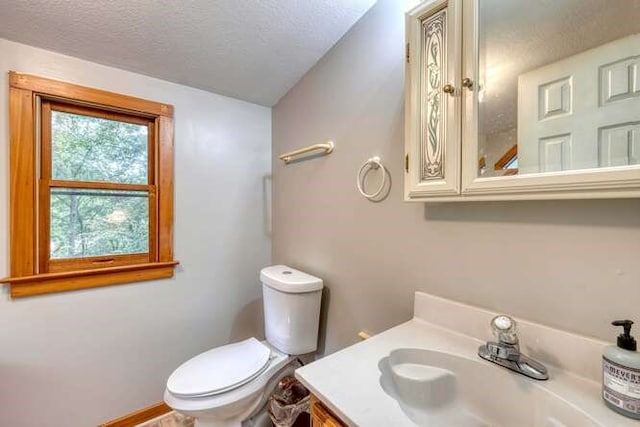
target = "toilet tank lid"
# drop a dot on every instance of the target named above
(289, 280)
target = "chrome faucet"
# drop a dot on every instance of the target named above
(506, 352)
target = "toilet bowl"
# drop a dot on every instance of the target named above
(191, 391)
(226, 385)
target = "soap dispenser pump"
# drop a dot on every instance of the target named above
(621, 373)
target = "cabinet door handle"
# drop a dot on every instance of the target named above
(448, 89)
(467, 82)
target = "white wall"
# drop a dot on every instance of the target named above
(80, 358)
(568, 264)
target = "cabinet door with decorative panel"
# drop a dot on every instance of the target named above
(432, 100)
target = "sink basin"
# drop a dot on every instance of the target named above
(439, 389)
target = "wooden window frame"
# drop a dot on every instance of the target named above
(47, 183)
(31, 272)
(506, 159)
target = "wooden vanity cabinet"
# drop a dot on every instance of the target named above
(321, 416)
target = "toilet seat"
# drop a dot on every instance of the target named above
(220, 370)
(225, 402)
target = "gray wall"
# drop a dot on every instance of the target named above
(79, 358)
(568, 264)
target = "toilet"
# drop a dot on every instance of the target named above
(227, 385)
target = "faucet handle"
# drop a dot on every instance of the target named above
(504, 328)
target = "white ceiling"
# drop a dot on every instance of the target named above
(254, 50)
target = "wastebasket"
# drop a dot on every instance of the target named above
(288, 401)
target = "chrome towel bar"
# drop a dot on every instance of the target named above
(327, 148)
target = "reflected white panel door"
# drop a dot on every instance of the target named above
(583, 111)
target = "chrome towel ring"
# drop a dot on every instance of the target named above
(371, 164)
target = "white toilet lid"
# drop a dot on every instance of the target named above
(220, 369)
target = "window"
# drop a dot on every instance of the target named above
(508, 162)
(91, 187)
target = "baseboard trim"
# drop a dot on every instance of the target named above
(140, 416)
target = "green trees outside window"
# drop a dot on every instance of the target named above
(92, 222)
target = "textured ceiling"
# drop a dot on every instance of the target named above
(255, 50)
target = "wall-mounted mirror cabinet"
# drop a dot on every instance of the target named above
(522, 100)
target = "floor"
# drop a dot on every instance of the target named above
(172, 419)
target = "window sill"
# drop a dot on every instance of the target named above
(74, 280)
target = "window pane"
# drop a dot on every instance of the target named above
(88, 223)
(85, 148)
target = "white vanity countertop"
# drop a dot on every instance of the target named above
(348, 381)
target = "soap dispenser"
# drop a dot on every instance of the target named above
(621, 373)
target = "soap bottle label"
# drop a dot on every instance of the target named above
(621, 386)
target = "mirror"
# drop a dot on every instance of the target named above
(558, 85)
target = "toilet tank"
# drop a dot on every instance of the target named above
(291, 309)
